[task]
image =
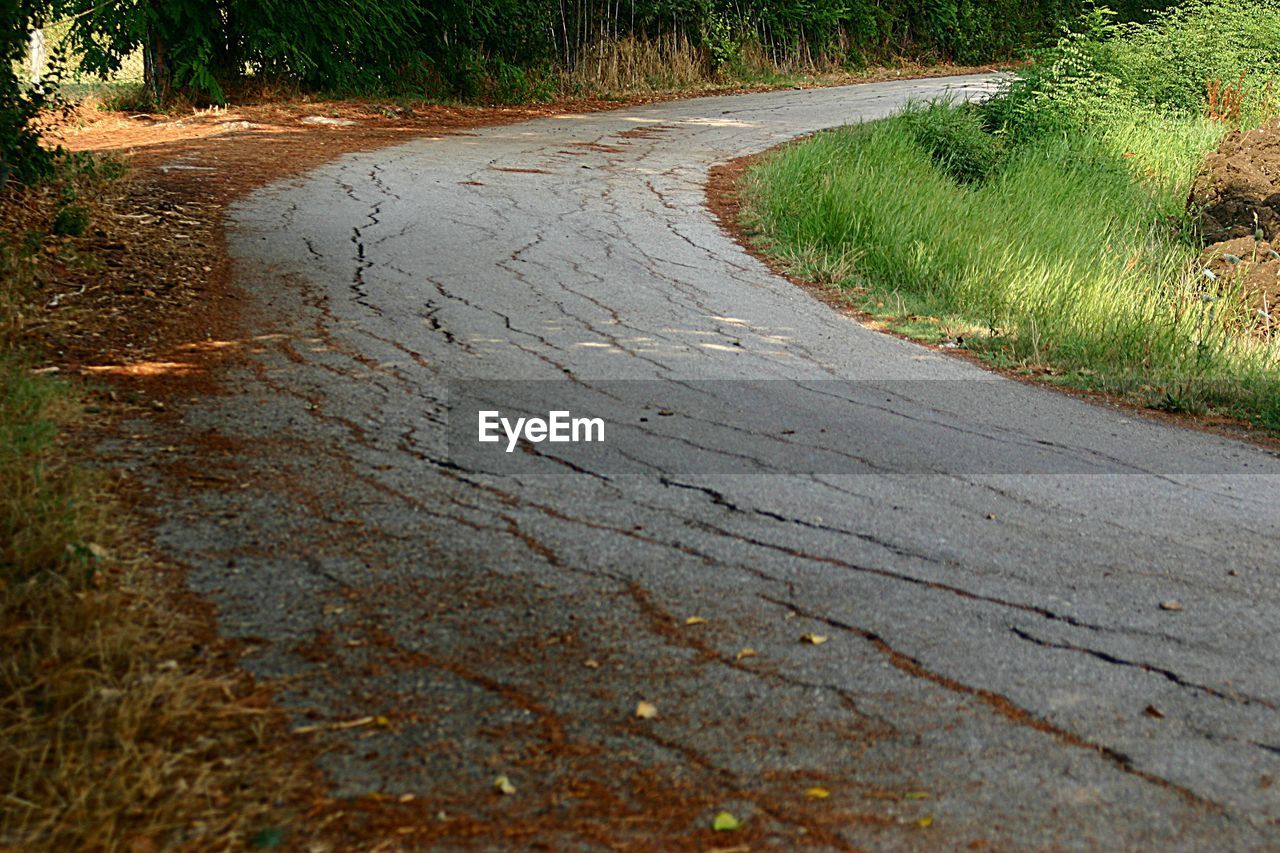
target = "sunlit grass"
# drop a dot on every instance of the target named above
(1069, 256)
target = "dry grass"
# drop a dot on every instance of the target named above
(120, 726)
(637, 65)
(671, 66)
(114, 733)
(672, 63)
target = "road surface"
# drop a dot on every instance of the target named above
(994, 566)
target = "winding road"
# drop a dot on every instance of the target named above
(1047, 623)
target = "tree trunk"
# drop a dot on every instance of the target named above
(36, 52)
(157, 76)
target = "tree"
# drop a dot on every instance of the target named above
(22, 157)
(193, 47)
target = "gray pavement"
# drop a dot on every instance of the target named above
(987, 559)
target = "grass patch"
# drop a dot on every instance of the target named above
(1051, 222)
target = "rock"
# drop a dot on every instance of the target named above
(326, 120)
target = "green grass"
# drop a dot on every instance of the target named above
(43, 517)
(1052, 239)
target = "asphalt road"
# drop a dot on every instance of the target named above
(987, 560)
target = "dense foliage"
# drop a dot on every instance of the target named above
(497, 49)
(197, 45)
(21, 155)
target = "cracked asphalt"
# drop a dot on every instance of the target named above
(988, 559)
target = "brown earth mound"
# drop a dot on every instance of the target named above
(1238, 196)
(1238, 188)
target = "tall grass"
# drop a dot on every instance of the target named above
(1048, 228)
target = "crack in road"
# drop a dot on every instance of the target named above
(474, 263)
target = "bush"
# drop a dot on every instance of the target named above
(22, 157)
(1100, 71)
(955, 139)
(71, 220)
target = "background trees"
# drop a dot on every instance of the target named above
(197, 46)
(499, 49)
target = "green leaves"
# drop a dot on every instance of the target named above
(507, 49)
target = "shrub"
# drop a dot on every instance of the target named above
(955, 139)
(71, 220)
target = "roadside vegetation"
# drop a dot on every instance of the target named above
(517, 51)
(121, 727)
(1048, 230)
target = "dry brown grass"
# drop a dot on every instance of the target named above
(122, 724)
(672, 65)
(638, 65)
(115, 733)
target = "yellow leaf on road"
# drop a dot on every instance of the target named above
(695, 620)
(813, 639)
(748, 652)
(503, 785)
(725, 822)
(646, 710)
(817, 793)
(925, 822)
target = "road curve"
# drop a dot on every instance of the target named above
(987, 560)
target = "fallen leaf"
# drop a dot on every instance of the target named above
(591, 663)
(695, 620)
(916, 795)
(817, 793)
(748, 652)
(925, 822)
(1153, 711)
(646, 710)
(813, 639)
(725, 822)
(381, 721)
(1171, 604)
(503, 785)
